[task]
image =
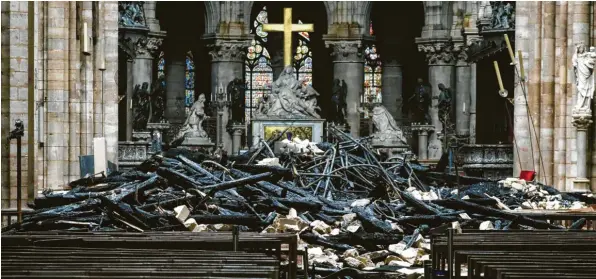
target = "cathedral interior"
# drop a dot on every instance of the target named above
(353, 131)
(102, 86)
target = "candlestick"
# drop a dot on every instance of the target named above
(521, 65)
(498, 76)
(510, 49)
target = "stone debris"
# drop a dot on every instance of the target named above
(347, 205)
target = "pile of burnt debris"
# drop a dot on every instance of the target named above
(349, 206)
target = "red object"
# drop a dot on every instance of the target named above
(527, 175)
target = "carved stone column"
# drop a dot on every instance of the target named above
(463, 74)
(392, 91)
(227, 63)
(440, 56)
(141, 49)
(348, 65)
(582, 121)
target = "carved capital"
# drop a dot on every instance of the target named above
(346, 50)
(225, 50)
(148, 45)
(440, 53)
(581, 119)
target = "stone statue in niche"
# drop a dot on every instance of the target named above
(444, 105)
(131, 14)
(583, 67)
(420, 102)
(290, 98)
(236, 90)
(386, 128)
(141, 106)
(338, 98)
(503, 15)
(157, 101)
(193, 126)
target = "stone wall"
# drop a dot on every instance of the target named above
(66, 98)
(547, 33)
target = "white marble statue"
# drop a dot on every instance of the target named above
(289, 98)
(387, 130)
(193, 126)
(583, 66)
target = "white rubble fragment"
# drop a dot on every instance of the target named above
(289, 223)
(320, 227)
(465, 216)
(349, 253)
(411, 273)
(269, 162)
(409, 255)
(456, 226)
(360, 202)
(396, 248)
(353, 228)
(335, 231)
(347, 219)
(353, 262)
(486, 225)
(315, 252)
(190, 224)
(182, 213)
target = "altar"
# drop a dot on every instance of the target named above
(306, 128)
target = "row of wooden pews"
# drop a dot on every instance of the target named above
(536, 254)
(148, 255)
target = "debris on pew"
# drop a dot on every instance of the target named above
(351, 207)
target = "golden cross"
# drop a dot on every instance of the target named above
(287, 27)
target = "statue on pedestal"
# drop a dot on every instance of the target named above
(583, 67)
(236, 90)
(387, 130)
(193, 126)
(289, 98)
(420, 102)
(339, 101)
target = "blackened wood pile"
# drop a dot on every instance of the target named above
(364, 210)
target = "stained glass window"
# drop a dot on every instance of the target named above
(161, 69)
(189, 81)
(303, 58)
(372, 76)
(258, 71)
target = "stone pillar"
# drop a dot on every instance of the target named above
(141, 50)
(392, 89)
(473, 103)
(348, 65)
(582, 121)
(175, 71)
(521, 125)
(129, 92)
(463, 74)
(580, 26)
(547, 91)
(227, 63)
(440, 60)
(423, 131)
